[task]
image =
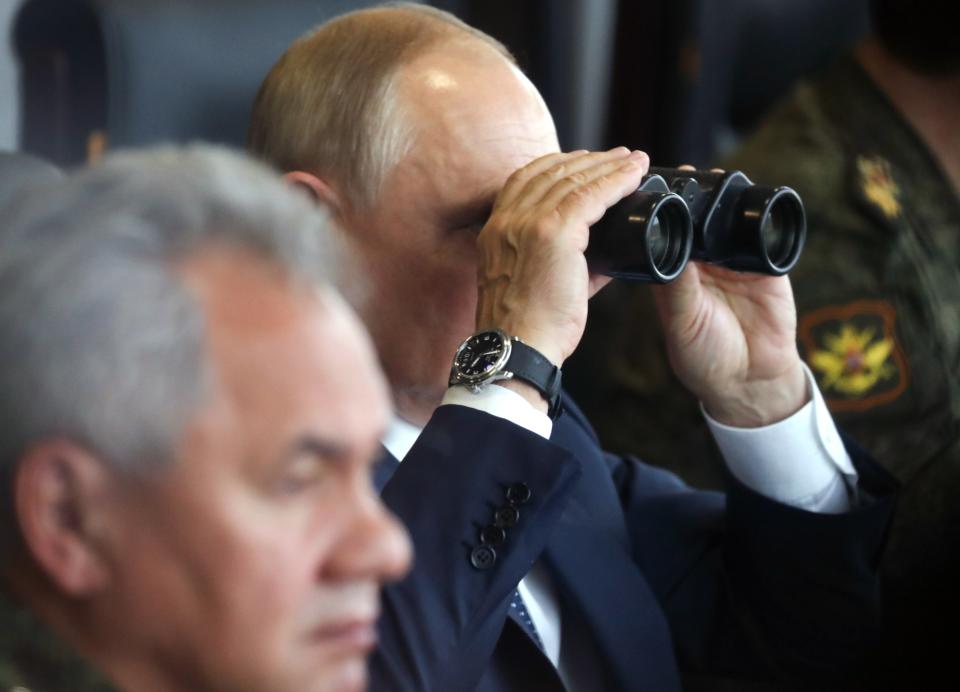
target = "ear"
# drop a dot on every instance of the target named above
(319, 189)
(61, 497)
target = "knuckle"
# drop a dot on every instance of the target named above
(551, 175)
(582, 202)
(558, 171)
(543, 228)
(582, 193)
(576, 180)
(493, 227)
(515, 177)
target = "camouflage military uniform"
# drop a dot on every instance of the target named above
(878, 296)
(32, 659)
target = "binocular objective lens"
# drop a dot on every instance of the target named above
(657, 238)
(665, 237)
(780, 230)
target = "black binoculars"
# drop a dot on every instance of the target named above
(677, 215)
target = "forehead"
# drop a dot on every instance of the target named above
(476, 117)
(284, 357)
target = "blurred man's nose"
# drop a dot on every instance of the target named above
(374, 545)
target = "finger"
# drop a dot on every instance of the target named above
(587, 202)
(519, 178)
(586, 175)
(679, 300)
(597, 282)
(574, 170)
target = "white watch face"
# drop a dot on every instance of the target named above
(481, 355)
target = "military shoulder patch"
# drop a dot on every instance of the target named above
(877, 187)
(853, 353)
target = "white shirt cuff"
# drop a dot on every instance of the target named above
(799, 461)
(503, 403)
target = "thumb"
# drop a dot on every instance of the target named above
(597, 281)
(678, 302)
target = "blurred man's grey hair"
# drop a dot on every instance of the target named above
(21, 173)
(100, 341)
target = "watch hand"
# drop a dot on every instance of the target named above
(495, 351)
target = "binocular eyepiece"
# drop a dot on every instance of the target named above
(677, 215)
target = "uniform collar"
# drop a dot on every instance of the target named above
(33, 658)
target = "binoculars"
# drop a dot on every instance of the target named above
(677, 215)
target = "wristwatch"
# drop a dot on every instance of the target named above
(491, 355)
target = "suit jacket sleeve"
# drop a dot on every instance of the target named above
(440, 625)
(754, 587)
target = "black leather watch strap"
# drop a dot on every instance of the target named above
(532, 367)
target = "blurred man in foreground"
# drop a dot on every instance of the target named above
(190, 413)
(542, 562)
(21, 174)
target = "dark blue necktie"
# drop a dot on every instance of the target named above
(518, 612)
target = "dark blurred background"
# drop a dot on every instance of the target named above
(681, 79)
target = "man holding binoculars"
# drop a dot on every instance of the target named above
(541, 562)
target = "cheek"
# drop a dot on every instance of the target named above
(247, 562)
(271, 564)
(446, 284)
(235, 573)
(286, 594)
(267, 577)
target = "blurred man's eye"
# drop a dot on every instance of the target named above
(301, 472)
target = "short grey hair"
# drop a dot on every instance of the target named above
(100, 340)
(330, 104)
(20, 173)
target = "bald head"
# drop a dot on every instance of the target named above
(331, 104)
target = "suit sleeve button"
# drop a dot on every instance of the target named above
(492, 535)
(506, 517)
(483, 557)
(518, 494)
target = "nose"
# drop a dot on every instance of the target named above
(374, 545)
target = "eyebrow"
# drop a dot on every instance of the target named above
(318, 446)
(330, 450)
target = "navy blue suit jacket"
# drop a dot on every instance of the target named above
(661, 577)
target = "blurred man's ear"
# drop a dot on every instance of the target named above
(61, 499)
(318, 189)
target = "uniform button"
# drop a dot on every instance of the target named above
(518, 494)
(506, 517)
(492, 535)
(483, 557)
